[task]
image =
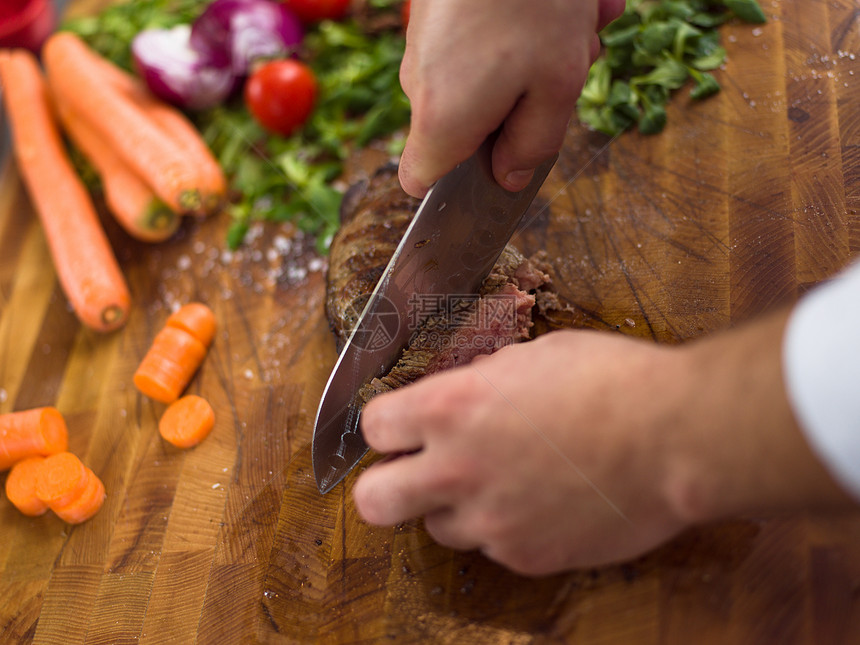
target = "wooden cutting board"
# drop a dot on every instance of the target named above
(743, 203)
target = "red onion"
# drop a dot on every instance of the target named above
(197, 66)
(238, 32)
(176, 72)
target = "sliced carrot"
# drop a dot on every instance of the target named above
(187, 421)
(169, 365)
(62, 478)
(195, 318)
(134, 204)
(85, 505)
(21, 486)
(145, 147)
(213, 183)
(28, 433)
(83, 258)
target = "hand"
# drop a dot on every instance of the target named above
(582, 448)
(472, 66)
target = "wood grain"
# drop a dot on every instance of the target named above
(745, 202)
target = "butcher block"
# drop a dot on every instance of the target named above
(746, 201)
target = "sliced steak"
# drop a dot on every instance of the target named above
(374, 217)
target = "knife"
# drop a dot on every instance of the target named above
(449, 248)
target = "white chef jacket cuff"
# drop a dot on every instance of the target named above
(821, 364)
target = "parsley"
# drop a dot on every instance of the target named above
(651, 50)
(276, 178)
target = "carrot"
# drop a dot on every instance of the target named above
(213, 183)
(195, 318)
(28, 433)
(145, 147)
(169, 365)
(84, 261)
(62, 478)
(86, 504)
(187, 421)
(21, 486)
(134, 205)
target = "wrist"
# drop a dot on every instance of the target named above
(737, 448)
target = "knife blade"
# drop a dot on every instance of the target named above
(449, 248)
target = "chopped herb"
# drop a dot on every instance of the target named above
(652, 49)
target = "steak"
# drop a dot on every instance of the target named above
(374, 216)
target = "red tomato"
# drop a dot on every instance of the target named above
(405, 9)
(309, 11)
(281, 95)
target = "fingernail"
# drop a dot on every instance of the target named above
(518, 179)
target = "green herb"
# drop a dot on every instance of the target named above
(275, 178)
(654, 48)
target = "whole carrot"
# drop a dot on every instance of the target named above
(28, 433)
(21, 486)
(83, 258)
(213, 183)
(145, 147)
(134, 205)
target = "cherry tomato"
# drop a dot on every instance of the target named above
(405, 9)
(309, 11)
(281, 95)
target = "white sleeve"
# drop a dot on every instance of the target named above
(821, 364)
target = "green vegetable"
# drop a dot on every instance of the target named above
(277, 178)
(654, 48)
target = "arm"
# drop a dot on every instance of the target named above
(582, 448)
(472, 66)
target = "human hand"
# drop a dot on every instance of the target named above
(472, 66)
(583, 448)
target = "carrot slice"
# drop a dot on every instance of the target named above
(61, 479)
(85, 505)
(21, 486)
(145, 147)
(195, 318)
(187, 421)
(28, 433)
(169, 365)
(132, 203)
(213, 182)
(85, 263)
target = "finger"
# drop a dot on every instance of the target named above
(447, 527)
(387, 424)
(394, 491)
(448, 126)
(426, 158)
(595, 48)
(609, 10)
(535, 129)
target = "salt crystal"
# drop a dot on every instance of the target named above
(282, 244)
